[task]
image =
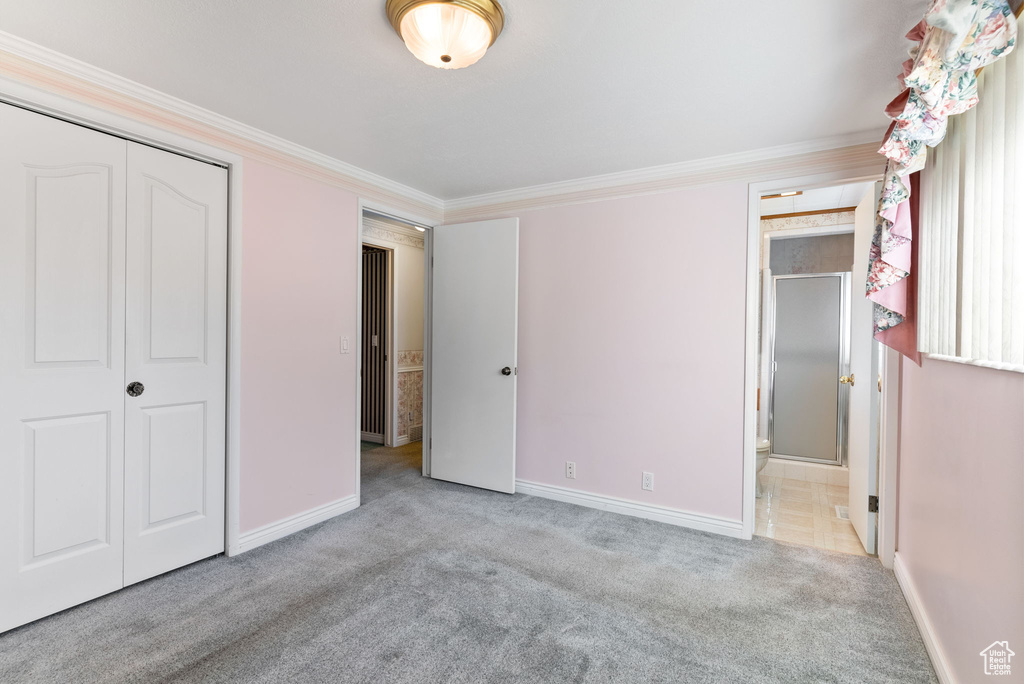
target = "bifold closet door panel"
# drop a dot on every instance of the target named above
(176, 349)
(62, 296)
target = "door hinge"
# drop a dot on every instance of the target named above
(872, 504)
(430, 443)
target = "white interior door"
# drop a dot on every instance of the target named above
(176, 348)
(473, 347)
(862, 443)
(62, 240)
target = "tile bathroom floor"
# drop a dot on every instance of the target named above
(802, 512)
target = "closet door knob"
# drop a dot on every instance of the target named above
(506, 371)
(134, 389)
(847, 379)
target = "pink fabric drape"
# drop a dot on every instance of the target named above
(903, 337)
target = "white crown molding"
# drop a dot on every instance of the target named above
(52, 72)
(859, 151)
(671, 516)
(39, 66)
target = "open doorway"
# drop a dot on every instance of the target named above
(451, 347)
(376, 332)
(810, 327)
(391, 352)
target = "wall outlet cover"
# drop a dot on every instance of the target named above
(648, 482)
(570, 470)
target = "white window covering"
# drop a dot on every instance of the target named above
(971, 287)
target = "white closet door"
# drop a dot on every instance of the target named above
(475, 280)
(62, 242)
(176, 349)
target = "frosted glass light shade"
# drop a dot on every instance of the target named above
(446, 36)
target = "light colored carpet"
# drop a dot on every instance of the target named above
(435, 582)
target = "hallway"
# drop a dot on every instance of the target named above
(387, 469)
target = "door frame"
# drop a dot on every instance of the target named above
(427, 224)
(842, 397)
(390, 376)
(70, 110)
(888, 451)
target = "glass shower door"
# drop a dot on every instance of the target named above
(809, 354)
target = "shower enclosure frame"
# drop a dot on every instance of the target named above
(843, 394)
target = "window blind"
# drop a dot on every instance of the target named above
(971, 286)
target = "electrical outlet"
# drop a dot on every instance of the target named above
(570, 470)
(648, 482)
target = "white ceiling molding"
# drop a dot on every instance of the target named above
(25, 62)
(833, 154)
(34, 65)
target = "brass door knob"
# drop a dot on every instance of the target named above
(847, 380)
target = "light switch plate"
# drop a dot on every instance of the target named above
(343, 345)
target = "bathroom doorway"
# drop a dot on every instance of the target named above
(806, 267)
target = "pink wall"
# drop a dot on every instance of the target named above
(298, 297)
(631, 340)
(961, 506)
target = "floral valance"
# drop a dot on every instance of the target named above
(955, 39)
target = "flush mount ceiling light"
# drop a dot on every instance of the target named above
(448, 34)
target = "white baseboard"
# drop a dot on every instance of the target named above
(924, 625)
(376, 438)
(282, 528)
(672, 516)
(402, 440)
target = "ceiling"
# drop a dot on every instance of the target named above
(572, 88)
(818, 199)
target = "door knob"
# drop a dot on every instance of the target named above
(848, 380)
(134, 389)
(506, 371)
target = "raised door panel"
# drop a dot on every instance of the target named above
(174, 465)
(68, 266)
(65, 489)
(62, 242)
(176, 347)
(177, 238)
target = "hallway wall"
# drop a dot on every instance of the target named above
(960, 533)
